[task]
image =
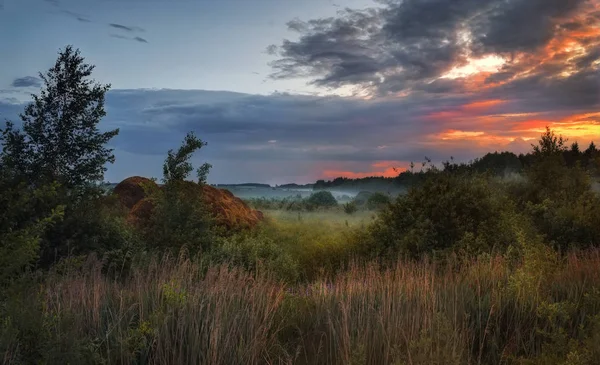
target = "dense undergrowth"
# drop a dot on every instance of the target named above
(469, 266)
(543, 309)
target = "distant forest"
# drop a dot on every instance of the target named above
(496, 163)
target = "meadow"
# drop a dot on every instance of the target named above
(539, 308)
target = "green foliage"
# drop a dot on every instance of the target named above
(378, 201)
(448, 212)
(22, 225)
(179, 217)
(321, 199)
(61, 148)
(498, 163)
(558, 196)
(350, 208)
(60, 140)
(257, 252)
(177, 165)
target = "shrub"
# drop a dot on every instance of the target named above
(25, 217)
(322, 199)
(377, 201)
(350, 208)
(179, 219)
(449, 212)
(256, 252)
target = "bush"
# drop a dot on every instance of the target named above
(26, 215)
(322, 199)
(179, 218)
(377, 201)
(449, 212)
(362, 197)
(256, 252)
(350, 208)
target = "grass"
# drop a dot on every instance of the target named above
(489, 311)
(334, 218)
(321, 242)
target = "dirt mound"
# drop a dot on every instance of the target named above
(228, 210)
(130, 191)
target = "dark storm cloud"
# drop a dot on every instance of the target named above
(140, 39)
(406, 45)
(27, 81)
(126, 28)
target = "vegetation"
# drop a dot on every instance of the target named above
(350, 208)
(495, 261)
(320, 200)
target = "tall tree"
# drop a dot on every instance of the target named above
(59, 151)
(60, 140)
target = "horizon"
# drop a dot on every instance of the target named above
(285, 92)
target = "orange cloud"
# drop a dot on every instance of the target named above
(469, 110)
(582, 127)
(454, 135)
(391, 169)
(482, 105)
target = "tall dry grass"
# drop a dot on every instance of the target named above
(167, 312)
(490, 311)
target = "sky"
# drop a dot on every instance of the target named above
(295, 91)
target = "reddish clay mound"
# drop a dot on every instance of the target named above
(228, 210)
(130, 191)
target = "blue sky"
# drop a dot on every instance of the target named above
(192, 44)
(292, 91)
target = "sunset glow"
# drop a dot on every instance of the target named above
(487, 64)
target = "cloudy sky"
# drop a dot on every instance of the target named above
(293, 91)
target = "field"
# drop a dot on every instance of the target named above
(318, 283)
(538, 309)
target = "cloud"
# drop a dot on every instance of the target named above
(413, 46)
(79, 17)
(137, 39)
(126, 28)
(282, 138)
(27, 81)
